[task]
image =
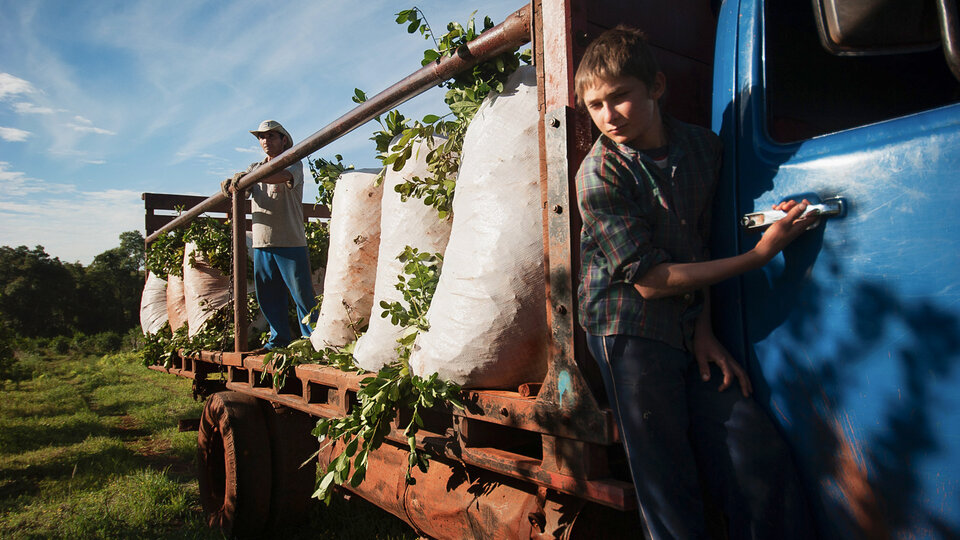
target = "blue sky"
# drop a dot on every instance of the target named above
(101, 101)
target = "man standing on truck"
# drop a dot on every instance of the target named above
(645, 191)
(280, 258)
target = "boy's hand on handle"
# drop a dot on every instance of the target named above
(786, 230)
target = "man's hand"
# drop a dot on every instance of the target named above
(229, 185)
(707, 349)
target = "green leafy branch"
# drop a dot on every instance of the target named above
(213, 240)
(164, 257)
(285, 360)
(392, 389)
(465, 93)
(318, 243)
(421, 273)
(217, 334)
(325, 174)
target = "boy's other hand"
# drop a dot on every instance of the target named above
(707, 350)
(786, 230)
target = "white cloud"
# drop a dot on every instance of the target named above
(10, 134)
(74, 228)
(6, 175)
(12, 86)
(18, 184)
(248, 150)
(91, 129)
(84, 125)
(29, 108)
(94, 161)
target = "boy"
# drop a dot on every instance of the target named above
(645, 191)
(280, 258)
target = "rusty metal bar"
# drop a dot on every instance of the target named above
(239, 228)
(513, 32)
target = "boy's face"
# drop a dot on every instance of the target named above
(626, 111)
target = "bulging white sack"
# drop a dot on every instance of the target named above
(205, 289)
(487, 318)
(402, 223)
(176, 303)
(352, 260)
(153, 304)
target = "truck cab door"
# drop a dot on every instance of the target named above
(852, 335)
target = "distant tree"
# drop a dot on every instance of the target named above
(37, 292)
(41, 296)
(110, 287)
(132, 247)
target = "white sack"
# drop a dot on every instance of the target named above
(205, 289)
(487, 318)
(409, 223)
(352, 260)
(176, 303)
(153, 304)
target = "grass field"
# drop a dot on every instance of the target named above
(89, 448)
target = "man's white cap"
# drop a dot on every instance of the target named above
(272, 125)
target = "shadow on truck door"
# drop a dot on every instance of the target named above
(852, 336)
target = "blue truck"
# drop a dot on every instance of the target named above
(851, 336)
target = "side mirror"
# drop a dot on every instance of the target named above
(871, 27)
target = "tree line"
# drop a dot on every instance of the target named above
(43, 297)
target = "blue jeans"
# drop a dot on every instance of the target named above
(680, 433)
(277, 270)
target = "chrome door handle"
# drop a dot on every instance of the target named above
(757, 221)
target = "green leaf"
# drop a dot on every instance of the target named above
(325, 484)
(358, 476)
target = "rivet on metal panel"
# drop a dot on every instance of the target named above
(562, 309)
(504, 412)
(558, 209)
(555, 122)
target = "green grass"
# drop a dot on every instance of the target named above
(89, 448)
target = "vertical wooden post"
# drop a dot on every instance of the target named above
(238, 222)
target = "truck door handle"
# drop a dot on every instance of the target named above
(757, 221)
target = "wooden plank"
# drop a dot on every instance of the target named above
(153, 202)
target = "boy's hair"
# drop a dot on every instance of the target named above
(620, 51)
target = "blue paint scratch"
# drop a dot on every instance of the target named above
(563, 385)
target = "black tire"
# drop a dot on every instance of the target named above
(291, 444)
(234, 464)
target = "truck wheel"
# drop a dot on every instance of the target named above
(291, 444)
(234, 464)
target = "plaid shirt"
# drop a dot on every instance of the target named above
(636, 216)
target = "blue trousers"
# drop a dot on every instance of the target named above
(277, 270)
(682, 436)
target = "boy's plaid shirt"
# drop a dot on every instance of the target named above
(635, 216)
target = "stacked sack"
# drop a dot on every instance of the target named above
(402, 223)
(487, 319)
